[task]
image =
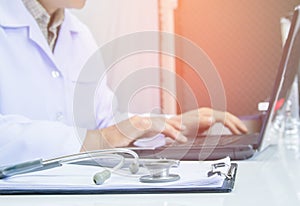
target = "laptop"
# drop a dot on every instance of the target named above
(239, 147)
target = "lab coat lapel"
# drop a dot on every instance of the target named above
(65, 42)
(37, 37)
(15, 15)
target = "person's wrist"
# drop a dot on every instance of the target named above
(114, 137)
(96, 139)
(91, 141)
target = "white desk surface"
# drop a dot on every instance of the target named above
(271, 177)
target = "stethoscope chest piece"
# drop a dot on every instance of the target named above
(159, 172)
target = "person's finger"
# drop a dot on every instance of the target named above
(176, 123)
(238, 124)
(231, 126)
(235, 126)
(241, 126)
(173, 133)
(233, 123)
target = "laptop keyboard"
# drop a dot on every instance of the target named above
(214, 140)
(217, 140)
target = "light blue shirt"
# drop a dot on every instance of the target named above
(37, 87)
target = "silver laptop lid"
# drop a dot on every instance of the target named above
(287, 71)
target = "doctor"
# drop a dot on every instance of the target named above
(43, 49)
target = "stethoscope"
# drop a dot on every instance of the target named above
(158, 168)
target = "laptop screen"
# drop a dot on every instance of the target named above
(287, 72)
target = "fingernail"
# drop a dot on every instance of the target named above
(181, 138)
(183, 127)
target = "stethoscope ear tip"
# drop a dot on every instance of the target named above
(134, 167)
(100, 177)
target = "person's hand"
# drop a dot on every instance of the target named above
(127, 131)
(199, 120)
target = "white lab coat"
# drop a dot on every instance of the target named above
(36, 87)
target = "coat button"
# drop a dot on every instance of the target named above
(55, 74)
(59, 116)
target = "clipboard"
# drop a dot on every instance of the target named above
(227, 186)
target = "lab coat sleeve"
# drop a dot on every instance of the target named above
(106, 106)
(40, 139)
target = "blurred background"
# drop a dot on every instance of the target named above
(242, 39)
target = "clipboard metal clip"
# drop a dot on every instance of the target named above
(215, 169)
